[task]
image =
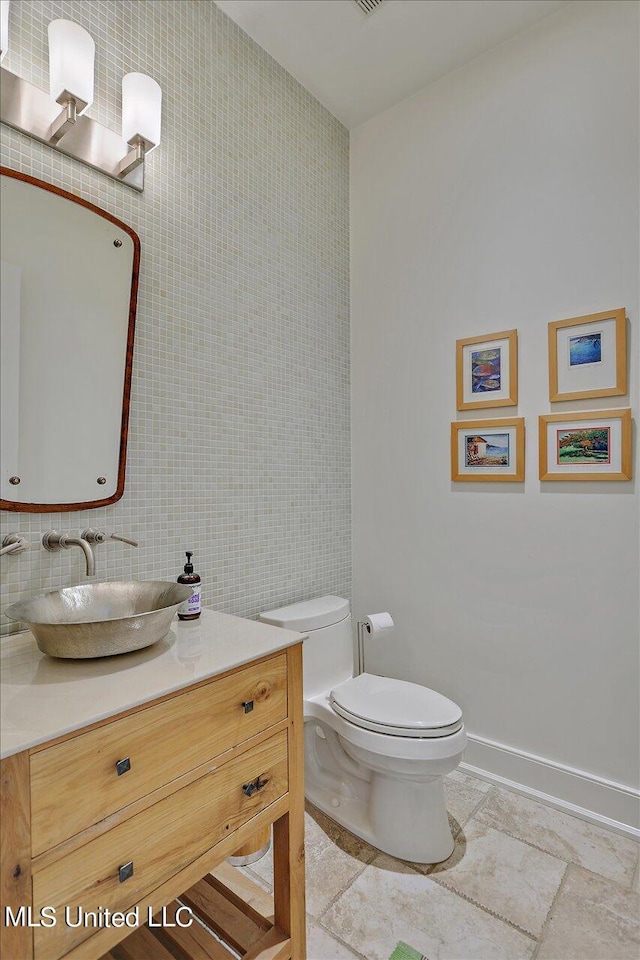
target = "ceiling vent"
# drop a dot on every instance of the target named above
(368, 6)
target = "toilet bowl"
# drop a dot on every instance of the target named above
(376, 748)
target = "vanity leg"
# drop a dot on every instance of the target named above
(288, 831)
(15, 855)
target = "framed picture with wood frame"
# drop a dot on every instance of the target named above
(588, 445)
(487, 371)
(588, 356)
(488, 450)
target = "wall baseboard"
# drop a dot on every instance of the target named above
(606, 803)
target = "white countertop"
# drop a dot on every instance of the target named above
(42, 698)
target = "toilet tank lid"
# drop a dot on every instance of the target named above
(309, 614)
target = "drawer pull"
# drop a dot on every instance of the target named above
(122, 766)
(253, 786)
(247, 705)
(125, 871)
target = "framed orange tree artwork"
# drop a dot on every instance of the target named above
(587, 445)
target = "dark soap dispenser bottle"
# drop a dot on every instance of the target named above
(190, 609)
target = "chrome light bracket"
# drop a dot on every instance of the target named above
(30, 110)
(134, 158)
(64, 122)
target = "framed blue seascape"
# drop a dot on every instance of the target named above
(588, 356)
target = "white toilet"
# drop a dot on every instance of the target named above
(376, 749)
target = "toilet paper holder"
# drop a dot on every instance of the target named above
(362, 628)
(373, 625)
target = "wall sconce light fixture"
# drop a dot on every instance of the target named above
(141, 115)
(71, 68)
(72, 53)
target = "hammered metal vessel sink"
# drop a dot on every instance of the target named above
(101, 619)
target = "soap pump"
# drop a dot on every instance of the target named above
(190, 609)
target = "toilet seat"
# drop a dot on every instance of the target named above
(395, 707)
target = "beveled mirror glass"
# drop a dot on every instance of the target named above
(69, 286)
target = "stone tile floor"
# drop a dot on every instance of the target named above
(525, 882)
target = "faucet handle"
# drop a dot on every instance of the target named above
(14, 543)
(93, 536)
(98, 536)
(51, 540)
(117, 536)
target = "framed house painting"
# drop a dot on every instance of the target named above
(487, 371)
(588, 445)
(588, 356)
(488, 450)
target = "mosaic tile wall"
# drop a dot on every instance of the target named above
(239, 433)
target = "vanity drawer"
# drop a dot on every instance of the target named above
(159, 841)
(76, 783)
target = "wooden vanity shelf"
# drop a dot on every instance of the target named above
(206, 767)
(226, 902)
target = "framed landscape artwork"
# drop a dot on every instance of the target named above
(589, 445)
(487, 371)
(588, 356)
(488, 450)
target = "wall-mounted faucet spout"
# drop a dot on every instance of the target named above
(52, 540)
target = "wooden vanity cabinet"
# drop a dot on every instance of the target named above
(137, 815)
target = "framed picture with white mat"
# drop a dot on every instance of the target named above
(588, 356)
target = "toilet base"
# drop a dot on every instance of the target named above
(353, 814)
(401, 817)
(421, 833)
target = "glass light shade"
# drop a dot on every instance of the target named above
(4, 28)
(71, 56)
(141, 110)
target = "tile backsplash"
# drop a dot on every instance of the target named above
(239, 444)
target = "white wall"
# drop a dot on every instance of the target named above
(505, 195)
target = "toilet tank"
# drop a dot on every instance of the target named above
(328, 653)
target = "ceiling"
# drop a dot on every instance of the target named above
(358, 65)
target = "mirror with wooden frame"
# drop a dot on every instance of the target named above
(69, 289)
